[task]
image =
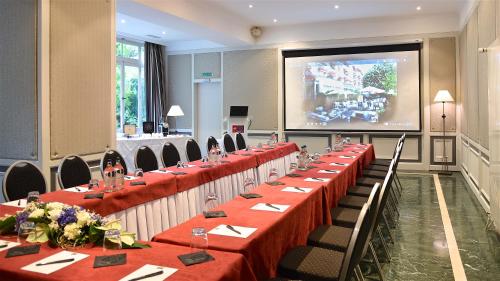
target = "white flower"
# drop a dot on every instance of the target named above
(54, 214)
(72, 231)
(55, 206)
(54, 225)
(37, 213)
(83, 218)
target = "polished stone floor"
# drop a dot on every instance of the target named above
(421, 251)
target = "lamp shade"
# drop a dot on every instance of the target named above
(175, 110)
(443, 96)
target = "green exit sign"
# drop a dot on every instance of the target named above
(207, 74)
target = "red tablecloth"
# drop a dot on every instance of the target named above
(157, 186)
(281, 150)
(226, 266)
(276, 232)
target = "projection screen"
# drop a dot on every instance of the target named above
(374, 88)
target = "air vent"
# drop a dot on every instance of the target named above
(153, 36)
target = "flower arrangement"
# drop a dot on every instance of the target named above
(65, 226)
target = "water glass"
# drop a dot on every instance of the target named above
(33, 196)
(283, 139)
(248, 185)
(112, 240)
(259, 145)
(24, 230)
(328, 150)
(273, 175)
(211, 201)
(199, 239)
(293, 168)
(316, 156)
(139, 173)
(93, 183)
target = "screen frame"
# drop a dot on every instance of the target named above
(347, 51)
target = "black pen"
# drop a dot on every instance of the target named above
(332, 171)
(272, 206)
(3, 246)
(160, 272)
(54, 262)
(318, 179)
(298, 188)
(230, 227)
(19, 202)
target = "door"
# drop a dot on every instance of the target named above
(209, 112)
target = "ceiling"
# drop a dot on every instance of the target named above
(202, 24)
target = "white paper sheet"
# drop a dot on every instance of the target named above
(347, 157)
(8, 243)
(16, 203)
(161, 171)
(223, 230)
(317, 179)
(339, 164)
(293, 189)
(329, 171)
(148, 269)
(264, 207)
(48, 269)
(130, 178)
(78, 189)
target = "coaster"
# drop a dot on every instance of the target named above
(258, 151)
(275, 183)
(94, 196)
(23, 250)
(104, 261)
(195, 258)
(246, 154)
(318, 162)
(225, 162)
(179, 173)
(206, 166)
(136, 183)
(214, 214)
(293, 175)
(250, 195)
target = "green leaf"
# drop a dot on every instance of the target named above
(114, 224)
(136, 245)
(127, 238)
(39, 235)
(8, 225)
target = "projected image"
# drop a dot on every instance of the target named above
(343, 91)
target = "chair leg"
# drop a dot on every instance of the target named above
(399, 182)
(391, 238)
(356, 275)
(377, 263)
(384, 245)
(395, 209)
(360, 272)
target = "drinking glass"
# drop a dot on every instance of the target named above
(211, 201)
(199, 239)
(248, 185)
(283, 139)
(139, 173)
(293, 168)
(24, 230)
(93, 183)
(112, 240)
(180, 164)
(328, 150)
(316, 156)
(273, 175)
(33, 196)
(259, 145)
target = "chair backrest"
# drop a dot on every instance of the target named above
(20, 178)
(211, 142)
(112, 155)
(373, 204)
(73, 171)
(240, 141)
(384, 194)
(354, 250)
(145, 159)
(193, 151)
(169, 155)
(229, 143)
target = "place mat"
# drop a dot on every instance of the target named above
(195, 258)
(23, 250)
(275, 183)
(250, 195)
(150, 272)
(55, 262)
(214, 214)
(293, 175)
(179, 173)
(94, 196)
(111, 260)
(136, 183)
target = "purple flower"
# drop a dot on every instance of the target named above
(20, 218)
(68, 215)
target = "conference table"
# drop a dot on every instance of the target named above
(269, 232)
(298, 205)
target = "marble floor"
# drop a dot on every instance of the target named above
(421, 250)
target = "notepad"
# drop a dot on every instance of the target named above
(271, 208)
(7, 244)
(347, 157)
(161, 171)
(328, 171)
(317, 179)
(77, 189)
(130, 178)
(297, 190)
(148, 269)
(16, 203)
(339, 164)
(224, 231)
(48, 269)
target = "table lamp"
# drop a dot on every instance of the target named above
(444, 96)
(175, 110)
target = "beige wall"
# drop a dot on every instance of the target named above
(180, 88)
(81, 73)
(208, 62)
(18, 80)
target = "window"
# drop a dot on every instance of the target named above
(130, 90)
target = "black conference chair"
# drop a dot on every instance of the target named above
(170, 155)
(193, 151)
(229, 143)
(240, 141)
(145, 159)
(319, 264)
(112, 155)
(73, 171)
(211, 142)
(21, 178)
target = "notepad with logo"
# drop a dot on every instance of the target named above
(270, 207)
(233, 231)
(55, 262)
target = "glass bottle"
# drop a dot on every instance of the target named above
(109, 177)
(119, 174)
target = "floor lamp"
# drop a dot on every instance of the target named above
(444, 96)
(175, 110)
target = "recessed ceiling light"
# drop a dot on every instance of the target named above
(250, 6)
(419, 8)
(123, 21)
(275, 20)
(163, 32)
(336, 7)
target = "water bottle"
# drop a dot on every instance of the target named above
(302, 158)
(212, 155)
(109, 177)
(119, 174)
(218, 155)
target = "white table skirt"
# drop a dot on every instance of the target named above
(129, 146)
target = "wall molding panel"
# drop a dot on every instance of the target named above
(436, 141)
(385, 145)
